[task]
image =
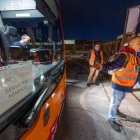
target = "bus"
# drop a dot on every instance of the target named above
(33, 76)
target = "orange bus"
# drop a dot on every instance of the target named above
(33, 76)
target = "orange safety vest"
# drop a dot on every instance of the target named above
(93, 55)
(127, 75)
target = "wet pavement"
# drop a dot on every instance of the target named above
(85, 115)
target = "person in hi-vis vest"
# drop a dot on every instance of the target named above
(96, 56)
(126, 75)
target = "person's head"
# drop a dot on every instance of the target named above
(97, 46)
(134, 43)
(25, 38)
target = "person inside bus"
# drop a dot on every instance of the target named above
(124, 78)
(25, 39)
(96, 56)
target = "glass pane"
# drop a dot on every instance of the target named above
(30, 62)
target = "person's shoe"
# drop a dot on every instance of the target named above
(96, 83)
(114, 125)
(88, 84)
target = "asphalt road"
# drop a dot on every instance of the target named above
(85, 115)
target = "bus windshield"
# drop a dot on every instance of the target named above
(29, 65)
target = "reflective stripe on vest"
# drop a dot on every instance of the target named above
(126, 78)
(127, 70)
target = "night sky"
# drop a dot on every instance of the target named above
(94, 19)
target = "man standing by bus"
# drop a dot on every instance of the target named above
(96, 56)
(127, 71)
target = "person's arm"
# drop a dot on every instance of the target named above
(118, 63)
(15, 43)
(102, 60)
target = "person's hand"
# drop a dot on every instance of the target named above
(98, 66)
